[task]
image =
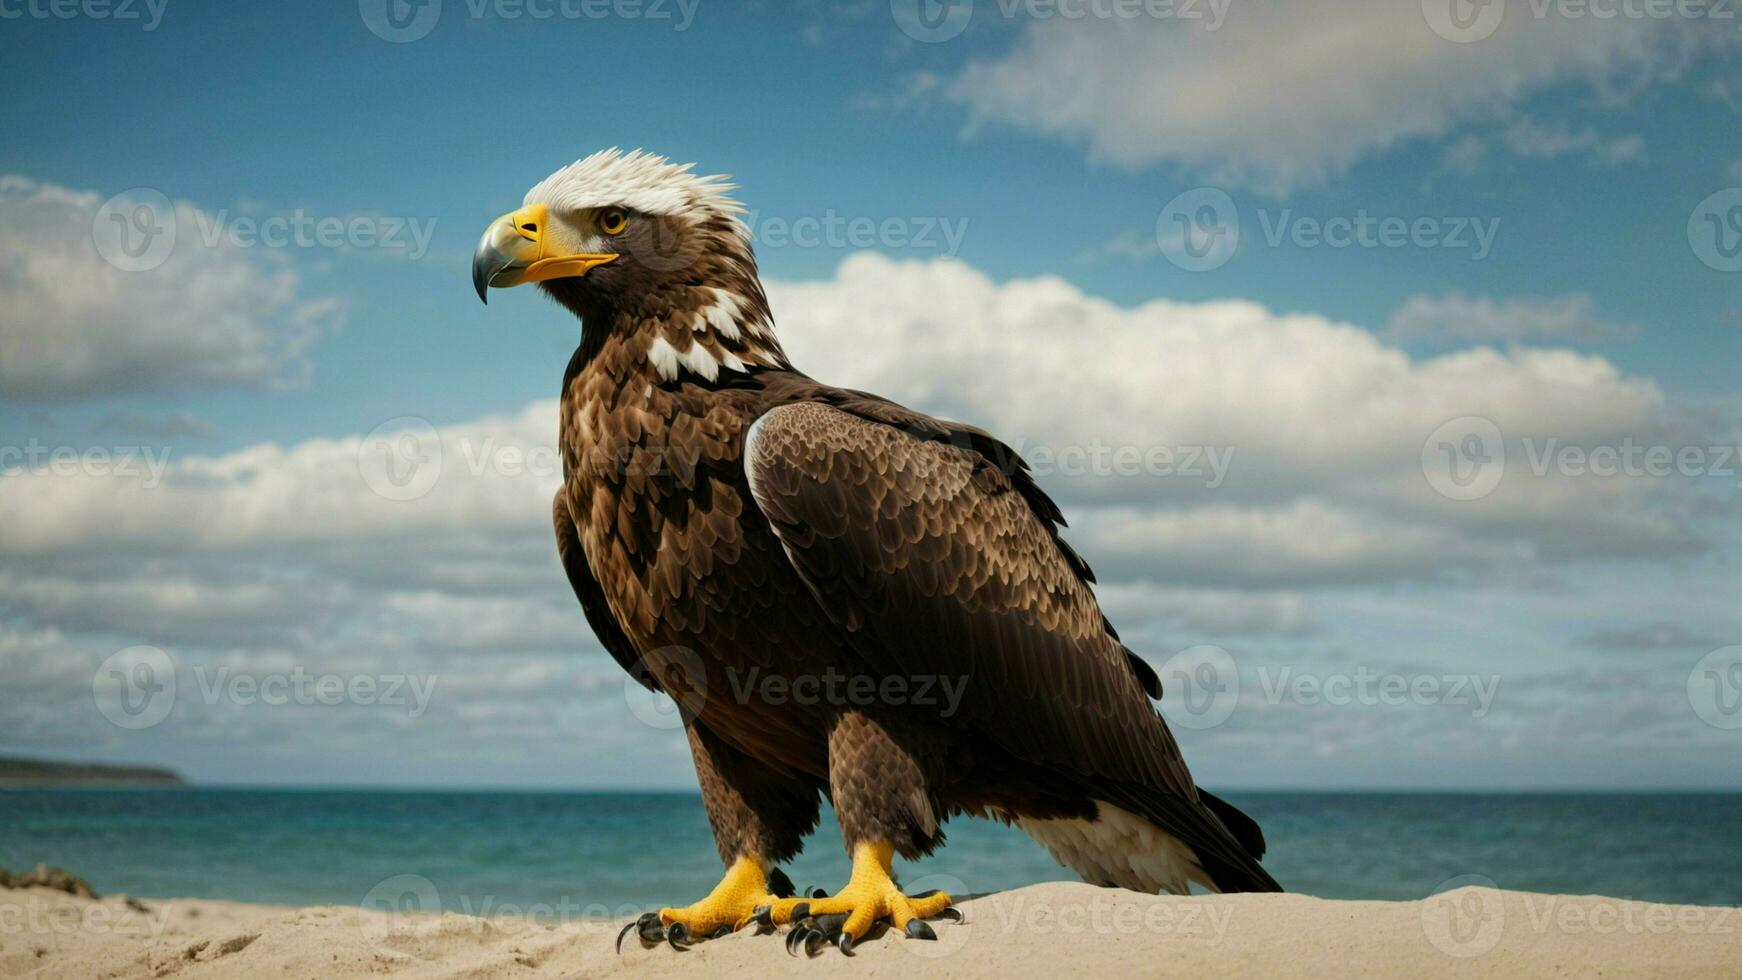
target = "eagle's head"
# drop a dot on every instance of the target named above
(634, 244)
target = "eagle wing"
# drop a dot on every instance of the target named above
(592, 597)
(929, 544)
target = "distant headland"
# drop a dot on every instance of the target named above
(15, 771)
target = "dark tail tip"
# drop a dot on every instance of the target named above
(1245, 829)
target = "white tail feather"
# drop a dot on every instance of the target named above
(1120, 848)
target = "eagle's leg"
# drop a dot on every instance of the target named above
(882, 774)
(759, 817)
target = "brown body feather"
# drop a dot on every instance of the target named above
(759, 526)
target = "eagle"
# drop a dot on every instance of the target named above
(738, 533)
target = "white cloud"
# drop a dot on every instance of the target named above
(78, 325)
(1290, 444)
(1529, 138)
(1456, 317)
(494, 472)
(1285, 95)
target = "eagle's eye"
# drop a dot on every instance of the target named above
(613, 222)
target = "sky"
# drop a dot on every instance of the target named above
(1382, 357)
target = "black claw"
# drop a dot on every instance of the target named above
(626, 930)
(647, 928)
(721, 932)
(814, 943)
(801, 911)
(678, 936)
(845, 943)
(917, 929)
(952, 913)
(808, 937)
(763, 916)
(779, 885)
(819, 893)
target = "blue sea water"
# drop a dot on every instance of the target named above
(535, 852)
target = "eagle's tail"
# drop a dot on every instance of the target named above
(1153, 842)
(1246, 832)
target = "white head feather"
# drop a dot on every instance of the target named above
(635, 180)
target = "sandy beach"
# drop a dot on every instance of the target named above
(1041, 931)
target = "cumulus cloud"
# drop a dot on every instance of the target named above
(403, 479)
(1286, 95)
(1456, 317)
(79, 322)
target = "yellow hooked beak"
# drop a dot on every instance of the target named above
(515, 249)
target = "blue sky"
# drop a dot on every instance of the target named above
(1056, 147)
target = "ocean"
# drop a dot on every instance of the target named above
(576, 853)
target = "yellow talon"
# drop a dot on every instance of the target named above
(731, 904)
(870, 895)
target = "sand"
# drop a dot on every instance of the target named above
(1049, 930)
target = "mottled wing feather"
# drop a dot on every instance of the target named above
(928, 555)
(931, 546)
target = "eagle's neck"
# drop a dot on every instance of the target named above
(703, 327)
(702, 332)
